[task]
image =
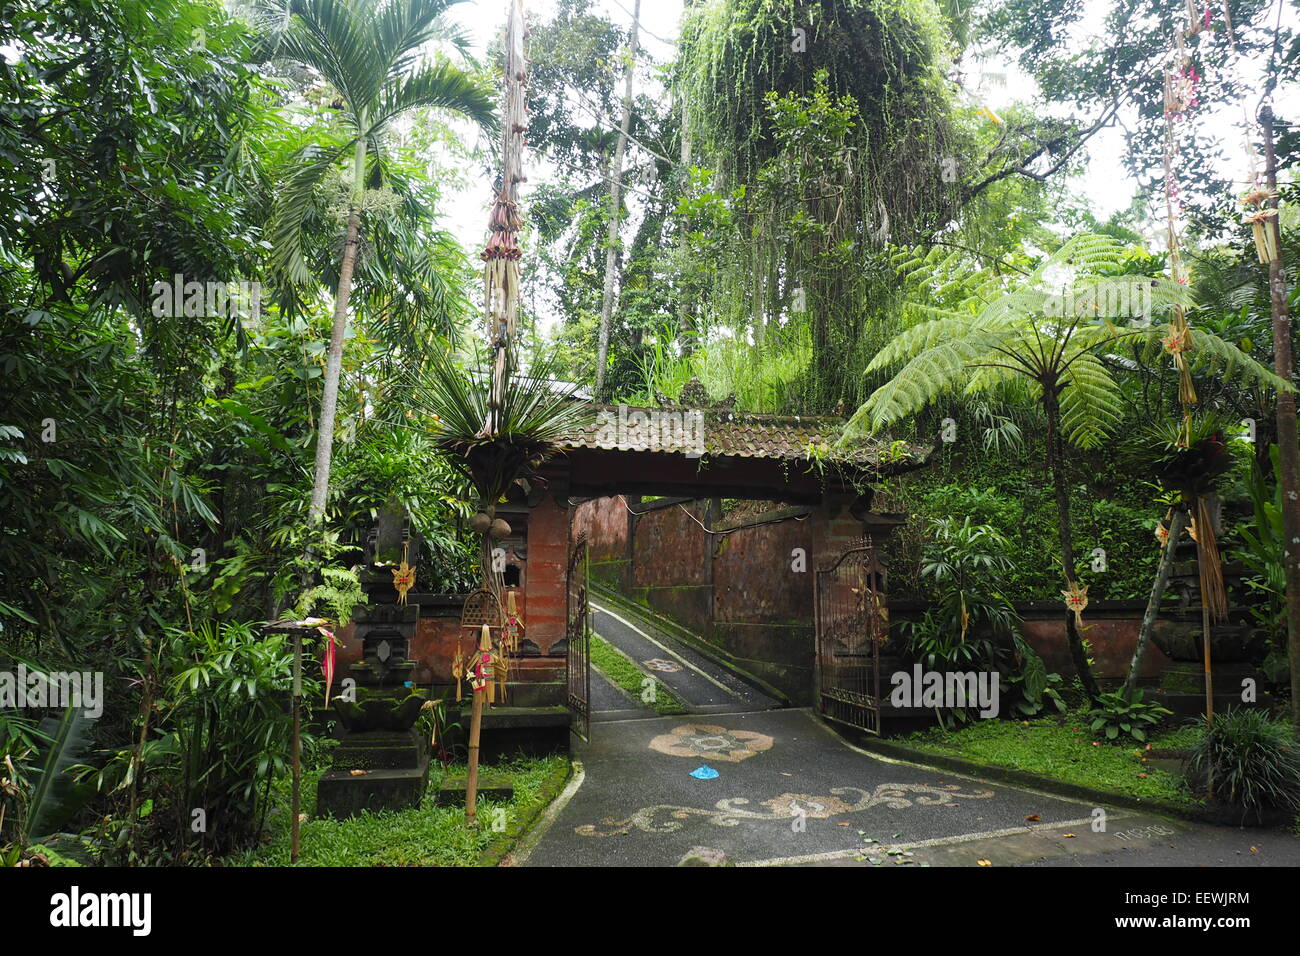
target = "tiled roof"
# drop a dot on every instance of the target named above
(722, 432)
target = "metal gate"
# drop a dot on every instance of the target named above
(577, 634)
(851, 621)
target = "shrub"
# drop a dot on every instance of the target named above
(1117, 714)
(1254, 763)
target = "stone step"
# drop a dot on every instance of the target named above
(498, 717)
(491, 786)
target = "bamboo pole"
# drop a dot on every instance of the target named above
(475, 729)
(297, 745)
(479, 684)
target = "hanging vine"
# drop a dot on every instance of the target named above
(830, 126)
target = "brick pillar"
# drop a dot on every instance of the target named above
(548, 558)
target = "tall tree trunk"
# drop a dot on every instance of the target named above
(615, 206)
(1056, 464)
(686, 333)
(333, 366)
(1176, 525)
(1287, 441)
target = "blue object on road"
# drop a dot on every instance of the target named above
(704, 772)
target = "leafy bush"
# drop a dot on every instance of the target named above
(1033, 688)
(1253, 762)
(1006, 492)
(223, 736)
(970, 620)
(1117, 714)
(1261, 554)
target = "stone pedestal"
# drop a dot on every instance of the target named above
(1233, 644)
(374, 770)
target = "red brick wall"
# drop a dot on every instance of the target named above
(754, 576)
(548, 557)
(670, 549)
(605, 522)
(1112, 641)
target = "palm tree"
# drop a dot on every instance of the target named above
(369, 52)
(1028, 336)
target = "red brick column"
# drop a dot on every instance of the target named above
(548, 558)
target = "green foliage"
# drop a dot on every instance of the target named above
(1252, 760)
(367, 54)
(536, 411)
(1122, 68)
(1059, 748)
(1132, 717)
(399, 466)
(969, 621)
(1111, 504)
(1262, 553)
(430, 835)
(1032, 688)
(334, 599)
(222, 737)
(984, 343)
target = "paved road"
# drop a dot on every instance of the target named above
(697, 681)
(788, 791)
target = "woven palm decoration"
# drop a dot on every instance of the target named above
(481, 607)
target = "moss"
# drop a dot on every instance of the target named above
(1062, 749)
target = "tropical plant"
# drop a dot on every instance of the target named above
(223, 736)
(1262, 555)
(1026, 334)
(39, 790)
(1118, 713)
(969, 621)
(536, 410)
(369, 53)
(336, 597)
(1252, 761)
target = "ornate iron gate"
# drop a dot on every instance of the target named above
(577, 634)
(851, 621)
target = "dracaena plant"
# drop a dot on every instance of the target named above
(537, 411)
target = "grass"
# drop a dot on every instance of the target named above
(1062, 748)
(427, 836)
(627, 674)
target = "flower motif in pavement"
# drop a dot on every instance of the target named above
(711, 741)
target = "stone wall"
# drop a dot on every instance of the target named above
(747, 592)
(742, 593)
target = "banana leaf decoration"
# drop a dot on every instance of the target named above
(514, 625)
(1178, 342)
(328, 662)
(458, 670)
(1258, 218)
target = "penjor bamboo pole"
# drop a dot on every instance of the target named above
(296, 801)
(475, 729)
(476, 726)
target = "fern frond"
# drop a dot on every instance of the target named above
(1090, 406)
